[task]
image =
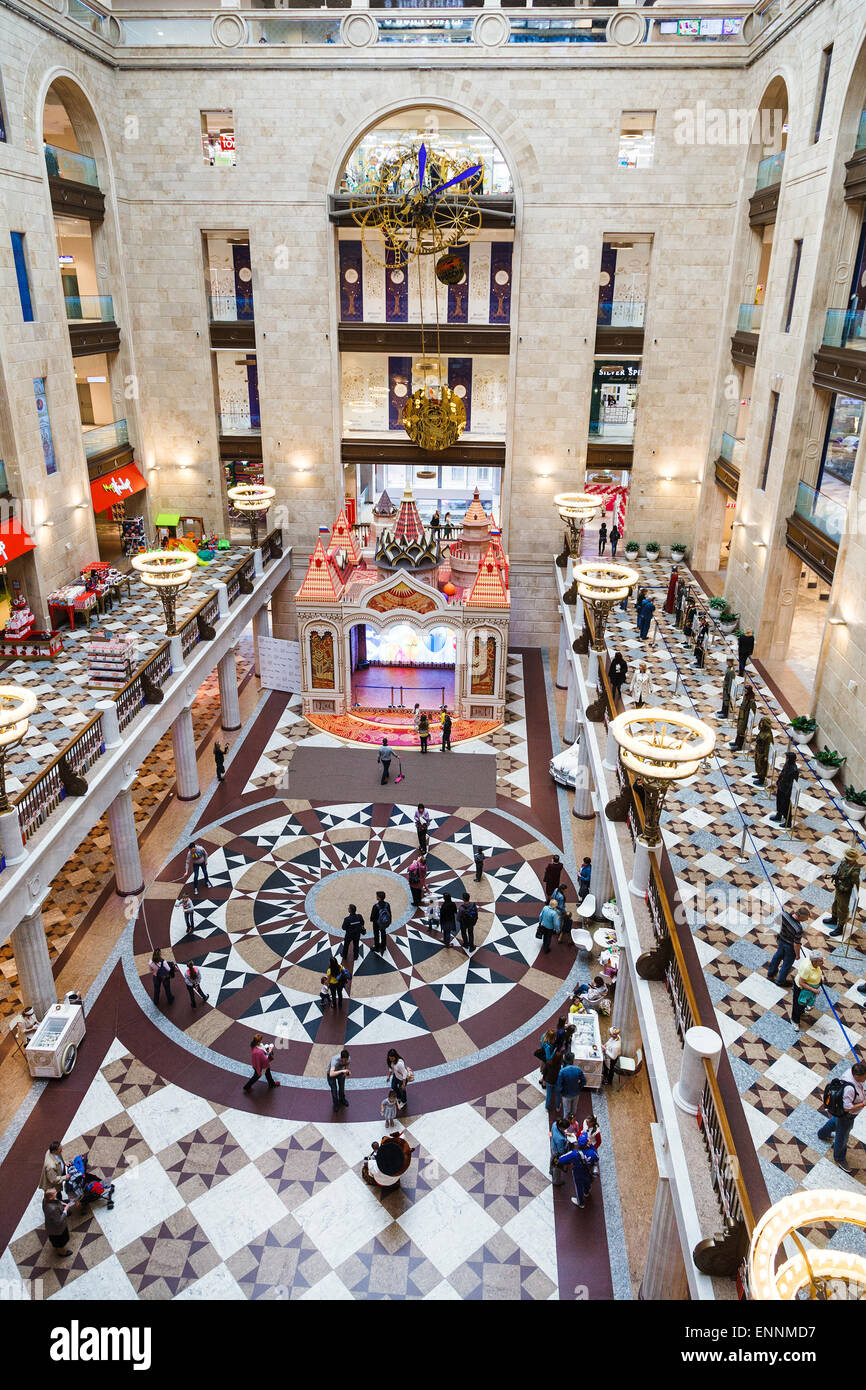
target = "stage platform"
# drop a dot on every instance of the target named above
(368, 726)
(377, 687)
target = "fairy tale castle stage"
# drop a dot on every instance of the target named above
(403, 619)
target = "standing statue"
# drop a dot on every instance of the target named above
(763, 744)
(727, 686)
(680, 602)
(701, 644)
(846, 878)
(691, 609)
(784, 786)
(670, 600)
(747, 704)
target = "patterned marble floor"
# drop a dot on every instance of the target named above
(66, 700)
(732, 906)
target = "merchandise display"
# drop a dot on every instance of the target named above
(110, 661)
(132, 537)
(71, 599)
(586, 1046)
(21, 638)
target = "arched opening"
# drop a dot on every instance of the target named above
(402, 664)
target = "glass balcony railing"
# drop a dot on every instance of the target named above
(87, 308)
(66, 164)
(845, 328)
(823, 511)
(239, 422)
(102, 437)
(621, 313)
(230, 308)
(860, 142)
(732, 450)
(83, 14)
(749, 318)
(770, 171)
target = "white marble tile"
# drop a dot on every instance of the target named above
(100, 1103)
(443, 1292)
(331, 1289)
(827, 1031)
(695, 816)
(143, 1196)
(352, 1141)
(217, 1286)
(237, 1210)
(712, 865)
(104, 1283)
(447, 1225)
(757, 987)
(796, 1078)
(534, 1231)
(705, 951)
(257, 1133)
(114, 1053)
(168, 1114)
(761, 1125)
(531, 1136)
(32, 1216)
(827, 1174)
(454, 1136)
(805, 869)
(342, 1217)
(729, 1029)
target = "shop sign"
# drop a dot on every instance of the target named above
(617, 371)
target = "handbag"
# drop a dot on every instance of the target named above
(806, 998)
(540, 1054)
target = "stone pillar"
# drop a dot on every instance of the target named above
(176, 653)
(261, 628)
(698, 1044)
(611, 753)
(665, 1278)
(33, 962)
(582, 807)
(640, 874)
(284, 618)
(571, 723)
(11, 839)
(258, 563)
(602, 882)
(222, 600)
(185, 766)
(562, 662)
(592, 669)
(128, 875)
(624, 1013)
(228, 682)
(110, 725)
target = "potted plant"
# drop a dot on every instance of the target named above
(632, 548)
(855, 804)
(829, 762)
(803, 730)
(652, 550)
(718, 603)
(678, 550)
(728, 619)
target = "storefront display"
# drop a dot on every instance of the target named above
(20, 638)
(586, 1046)
(614, 401)
(69, 600)
(110, 662)
(132, 535)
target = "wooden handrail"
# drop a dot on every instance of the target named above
(64, 753)
(718, 1102)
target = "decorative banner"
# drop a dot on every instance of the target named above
(322, 660)
(460, 381)
(44, 424)
(458, 295)
(615, 500)
(501, 254)
(280, 664)
(606, 282)
(243, 282)
(112, 488)
(399, 389)
(351, 282)
(479, 282)
(396, 288)
(483, 677)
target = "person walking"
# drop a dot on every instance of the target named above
(338, 1070)
(447, 918)
(261, 1057)
(416, 716)
(785, 786)
(55, 1215)
(162, 972)
(552, 875)
(850, 1102)
(584, 878)
(645, 617)
(399, 1076)
(467, 917)
(569, 1084)
(548, 923)
(560, 1144)
(424, 732)
(417, 876)
(422, 825)
(642, 689)
(192, 980)
(790, 939)
(219, 757)
(616, 674)
(615, 537)
(582, 1159)
(53, 1168)
(745, 648)
(336, 977)
(550, 1069)
(447, 528)
(602, 537)
(478, 859)
(446, 732)
(196, 859)
(380, 919)
(807, 981)
(612, 1051)
(187, 907)
(727, 687)
(353, 930)
(386, 753)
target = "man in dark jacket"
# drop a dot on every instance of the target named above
(790, 937)
(353, 930)
(552, 875)
(446, 732)
(381, 920)
(467, 916)
(219, 757)
(745, 647)
(617, 672)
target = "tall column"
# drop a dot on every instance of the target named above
(11, 839)
(284, 618)
(185, 766)
(699, 1045)
(562, 659)
(602, 882)
(570, 730)
(624, 1013)
(33, 962)
(582, 807)
(128, 875)
(611, 752)
(642, 868)
(261, 628)
(664, 1278)
(592, 668)
(227, 675)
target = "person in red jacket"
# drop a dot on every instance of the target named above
(261, 1059)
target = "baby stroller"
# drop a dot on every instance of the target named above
(85, 1186)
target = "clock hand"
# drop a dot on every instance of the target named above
(422, 165)
(467, 174)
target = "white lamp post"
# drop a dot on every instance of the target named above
(253, 499)
(166, 571)
(576, 509)
(16, 707)
(818, 1269)
(601, 584)
(660, 747)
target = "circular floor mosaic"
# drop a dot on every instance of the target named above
(282, 877)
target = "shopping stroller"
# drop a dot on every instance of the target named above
(84, 1186)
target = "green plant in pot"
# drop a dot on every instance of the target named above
(829, 762)
(803, 729)
(631, 547)
(718, 603)
(652, 549)
(855, 804)
(678, 549)
(728, 619)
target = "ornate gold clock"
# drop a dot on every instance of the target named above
(405, 209)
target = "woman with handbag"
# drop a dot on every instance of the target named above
(807, 981)
(399, 1076)
(192, 979)
(162, 972)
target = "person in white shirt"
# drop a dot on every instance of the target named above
(422, 825)
(853, 1100)
(612, 1050)
(642, 688)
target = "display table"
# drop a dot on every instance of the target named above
(611, 912)
(72, 599)
(586, 1046)
(605, 938)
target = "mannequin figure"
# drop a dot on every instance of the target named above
(763, 744)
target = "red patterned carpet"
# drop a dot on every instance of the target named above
(373, 725)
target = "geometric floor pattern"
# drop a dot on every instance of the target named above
(780, 1070)
(214, 1203)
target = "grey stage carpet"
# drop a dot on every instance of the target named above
(352, 774)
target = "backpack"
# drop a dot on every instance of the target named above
(470, 914)
(385, 915)
(834, 1097)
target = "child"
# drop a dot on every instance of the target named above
(591, 1129)
(596, 996)
(324, 992)
(389, 1108)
